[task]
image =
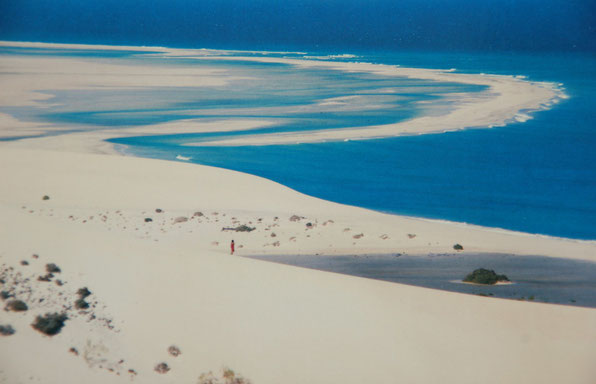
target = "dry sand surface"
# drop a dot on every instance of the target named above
(172, 282)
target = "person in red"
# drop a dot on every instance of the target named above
(232, 247)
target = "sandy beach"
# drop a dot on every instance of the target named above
(150, 239)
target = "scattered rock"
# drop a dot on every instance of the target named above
(296, 218)
(35, 256)
(174, 350)
(161, 368)
(384, 237)
(50, 323)
(358, 236)
(328, 222)
(16, 306)
(180, 219)
(6, 330)
(45, 197)
(458, 247)
(148, 219)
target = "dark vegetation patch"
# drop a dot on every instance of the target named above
(50, 323)
(241, 228)
(458, 247)
(52, 268)
(45, 197)
(81, 304)
(6, 330)
(148, 219)
(83, 292)
(484, 276)
(16, 306)
(47, 277)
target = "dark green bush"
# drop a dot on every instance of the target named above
(6, 330)
(50, 323)
(458, 247)
(16, 306)
(47, 277)
(81, 304)
(52, 268)
(83, 292)
(244, 228)
(484, 276)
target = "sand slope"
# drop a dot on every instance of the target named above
(164, 283)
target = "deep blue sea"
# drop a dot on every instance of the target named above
(538, 176)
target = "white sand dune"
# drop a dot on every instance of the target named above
(170, 280)
(163, 283)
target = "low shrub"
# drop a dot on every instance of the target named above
(16, 306)
(47, 277)
(244, 228)
(83, 292)
(484, 276)
(6, 330)
(458, 247)
(50, 323)
(52, 268)
(81, 304)
(5, 295)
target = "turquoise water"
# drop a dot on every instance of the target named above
(538, 176)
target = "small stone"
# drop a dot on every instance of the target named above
(161, 368)
(174, 350)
